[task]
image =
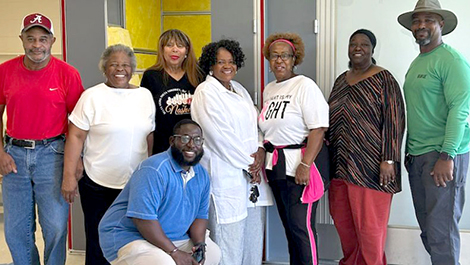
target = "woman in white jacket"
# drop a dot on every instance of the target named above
(233, 156)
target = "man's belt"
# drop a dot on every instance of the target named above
(31, 144)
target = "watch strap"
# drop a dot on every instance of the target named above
(445, 156)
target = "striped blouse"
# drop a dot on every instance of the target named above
(367, 122)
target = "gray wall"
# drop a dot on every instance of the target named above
(296, 16)
(234, 20)
(86, 40)
(86, 37)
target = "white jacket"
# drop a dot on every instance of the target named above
(229, 124)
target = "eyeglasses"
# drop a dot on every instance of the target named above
(283, 56)
(185, 139)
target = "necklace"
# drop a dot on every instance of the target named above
(230, 87)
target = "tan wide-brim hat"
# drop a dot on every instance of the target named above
(430, 6)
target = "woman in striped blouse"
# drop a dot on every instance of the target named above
(367, 122)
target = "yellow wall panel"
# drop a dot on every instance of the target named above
(144, 61)
(118, 35)
(198, 28)
(185, 5)
(143, 22)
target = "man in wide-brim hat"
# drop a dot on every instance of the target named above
(437, 94)
(434, 7)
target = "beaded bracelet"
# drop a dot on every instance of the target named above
(304, 164)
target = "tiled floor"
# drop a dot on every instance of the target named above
(5, 257)
(72, 258)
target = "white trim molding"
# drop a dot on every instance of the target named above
(326, 45)
(325, 73)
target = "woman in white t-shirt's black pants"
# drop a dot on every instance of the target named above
(294, 119)
(113, 124)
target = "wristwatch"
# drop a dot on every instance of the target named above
(445, 156)
(390, 162)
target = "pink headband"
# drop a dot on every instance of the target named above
(285, 41)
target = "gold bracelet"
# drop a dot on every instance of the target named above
(304, 164)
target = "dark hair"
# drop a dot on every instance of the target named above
(209, 54)
(294, 38)
(184, 122)
(369, 35)
(189, 65)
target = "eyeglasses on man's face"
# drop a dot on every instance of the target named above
(185, 139)
(283, 56)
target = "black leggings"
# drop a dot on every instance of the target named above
(293, 214)
(95, 200)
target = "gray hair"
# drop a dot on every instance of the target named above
(117, 48)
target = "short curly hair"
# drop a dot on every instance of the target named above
(117, 48)
(209, 54)
(292, 37)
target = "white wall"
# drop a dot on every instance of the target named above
(395, 50)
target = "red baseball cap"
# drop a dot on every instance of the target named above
(36, 19)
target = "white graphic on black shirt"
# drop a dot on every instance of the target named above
(175, 101)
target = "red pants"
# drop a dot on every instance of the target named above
(361, 217)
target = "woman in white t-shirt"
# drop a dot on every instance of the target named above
(113, 124)
(232, 148)
(294, 119)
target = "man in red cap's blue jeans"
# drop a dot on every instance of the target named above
(38, 92)
(437, 94)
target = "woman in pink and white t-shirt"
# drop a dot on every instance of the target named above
(294, 119)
